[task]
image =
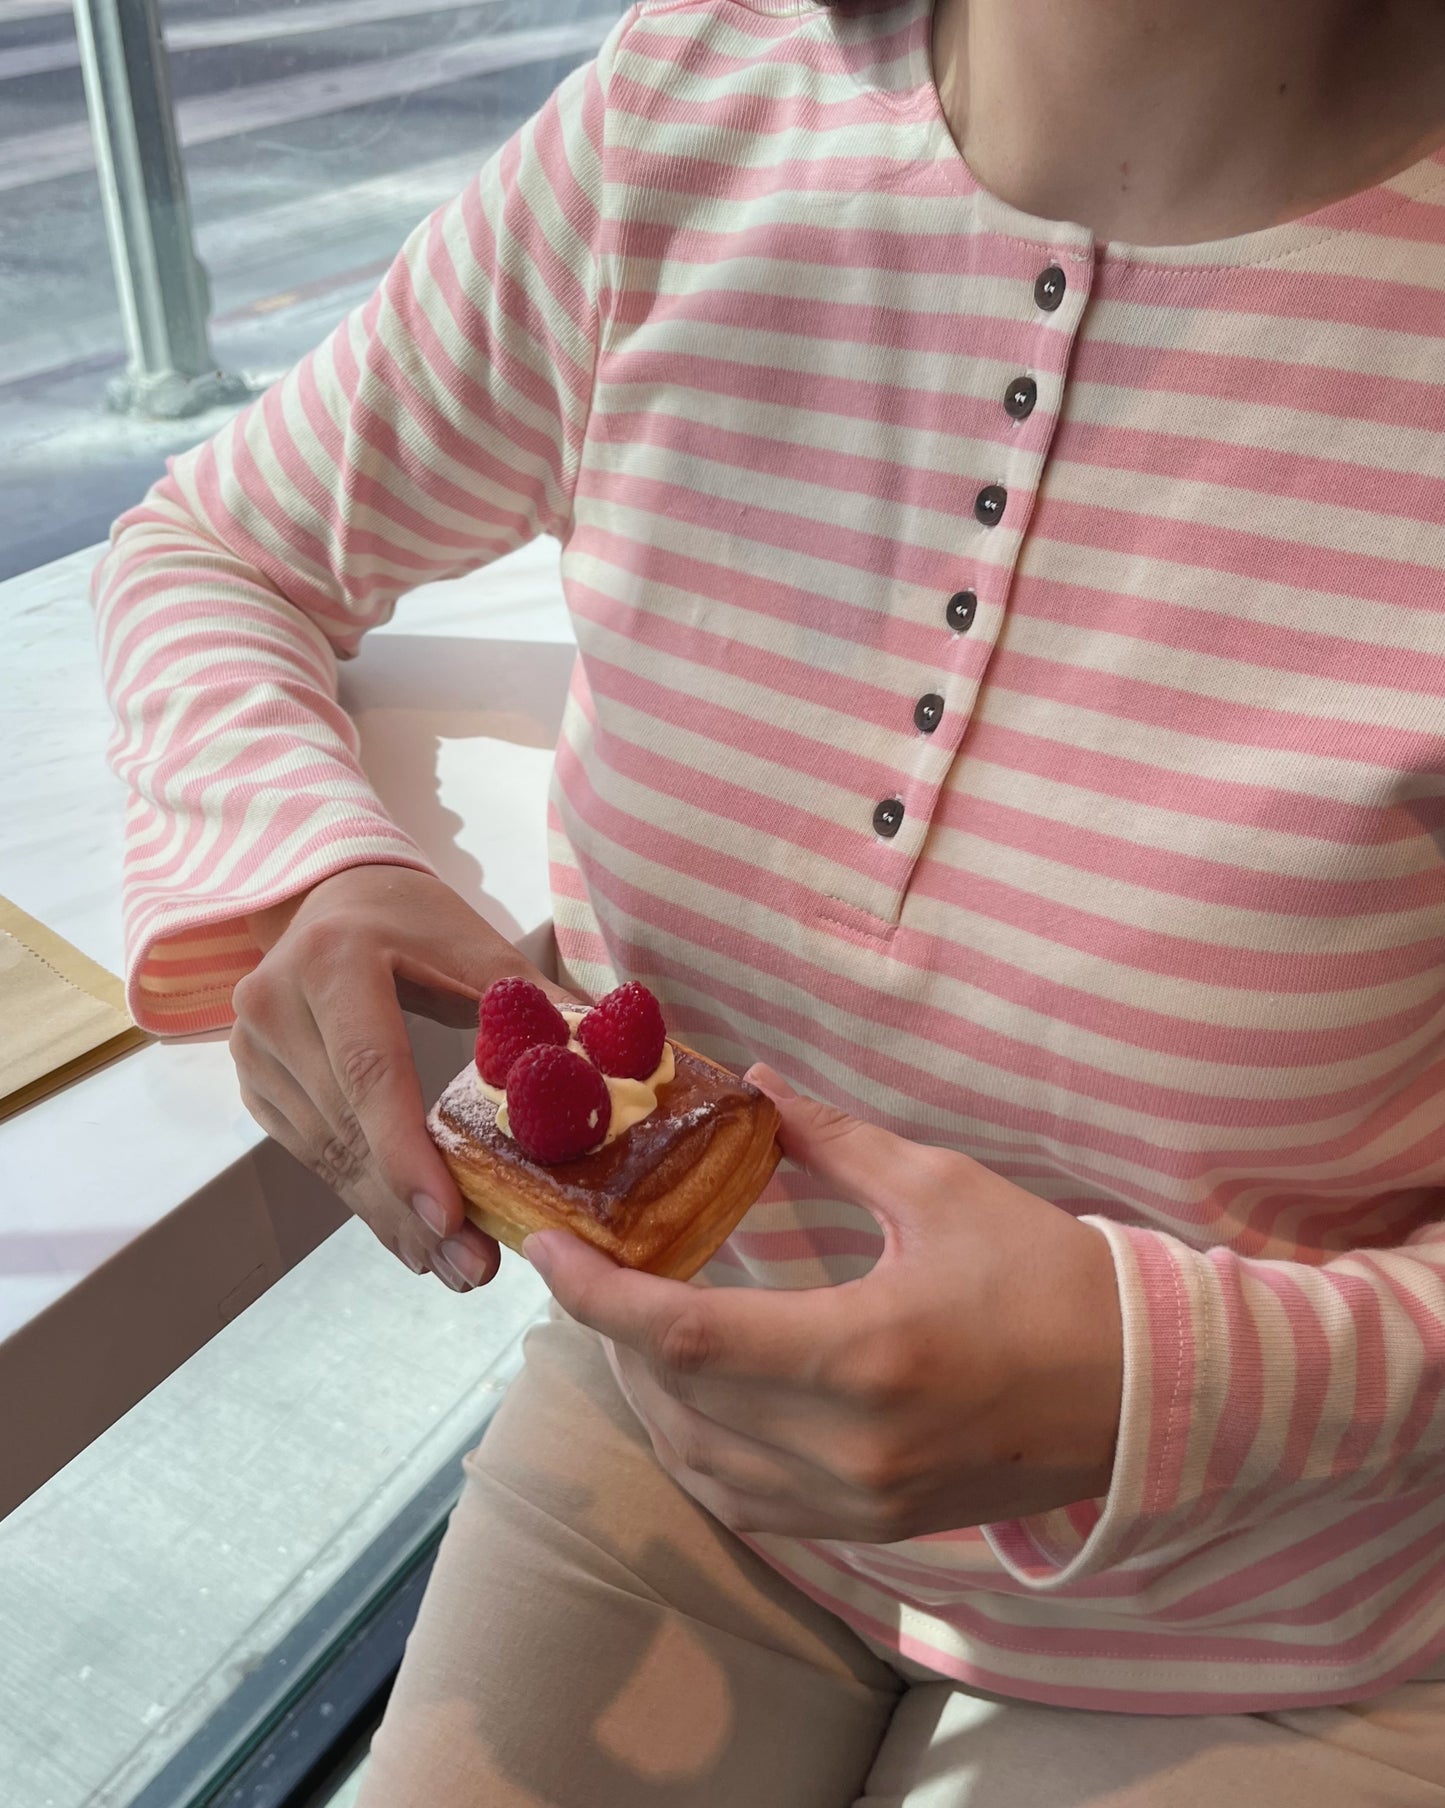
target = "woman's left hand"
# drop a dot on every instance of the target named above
(973, 1375)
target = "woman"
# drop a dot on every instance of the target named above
(997, 453)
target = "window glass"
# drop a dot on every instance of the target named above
(313, 134)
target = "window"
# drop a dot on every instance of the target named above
(312, 135)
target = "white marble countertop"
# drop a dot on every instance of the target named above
(458, 701)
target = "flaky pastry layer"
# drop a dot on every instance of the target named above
(663, 1197)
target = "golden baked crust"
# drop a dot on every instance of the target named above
(663, 1197)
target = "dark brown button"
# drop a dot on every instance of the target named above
(961, 611)
(888, 817)
(928, 713)
(1020, 396)
(988, 505)
(1049, 288)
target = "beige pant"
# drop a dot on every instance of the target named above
(591, 1638)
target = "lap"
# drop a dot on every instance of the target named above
(591, 1638)
(947, 1748)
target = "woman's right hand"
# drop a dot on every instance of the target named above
(326, 1069)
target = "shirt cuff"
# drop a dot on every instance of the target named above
(1165, 1355)
(186, 954)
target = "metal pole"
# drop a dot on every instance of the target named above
(164, 296)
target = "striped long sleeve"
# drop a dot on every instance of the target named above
(439, 427)
(1257, 1390)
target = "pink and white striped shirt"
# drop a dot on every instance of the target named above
(1152, 920)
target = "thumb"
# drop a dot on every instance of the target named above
(576, 1273)
(624, 1304)
(859, 1161)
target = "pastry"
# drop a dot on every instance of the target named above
(593, 1121)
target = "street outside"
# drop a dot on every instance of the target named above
(315, 135)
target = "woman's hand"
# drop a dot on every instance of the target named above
(973, 1375)
(325, 1065)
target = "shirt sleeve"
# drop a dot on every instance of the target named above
(439, 427)
(1254, 1390)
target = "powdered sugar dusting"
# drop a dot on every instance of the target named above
(468, 1108)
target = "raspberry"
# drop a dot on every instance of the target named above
(624, 1032)
(558, 1104)
(515, 1015)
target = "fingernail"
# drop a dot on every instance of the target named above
(471, 1266)
(414, 1262)
(430, 1213)
(444, 1271)
(766, 1081)
(538, 1250)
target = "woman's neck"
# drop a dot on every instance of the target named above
(1174, 121)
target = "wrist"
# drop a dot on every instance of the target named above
(1070, 1365)
(266, 927)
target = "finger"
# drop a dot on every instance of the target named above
(364, 1033)
(339, 1157)
(299, 1129)
(469, 1259)
(285, 1045)
(680, 1452)
(745, 1513)
(288, 1056)
(453, 997)
(723, 1451)
(858, 1161)
(285, 1060)
(740, 1332)
(457, 1009)
(331, 1144)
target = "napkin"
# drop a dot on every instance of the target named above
(61, 1015)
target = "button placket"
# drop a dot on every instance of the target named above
(1020, 397)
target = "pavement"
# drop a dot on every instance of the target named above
(144, 1584)
(315, 136)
